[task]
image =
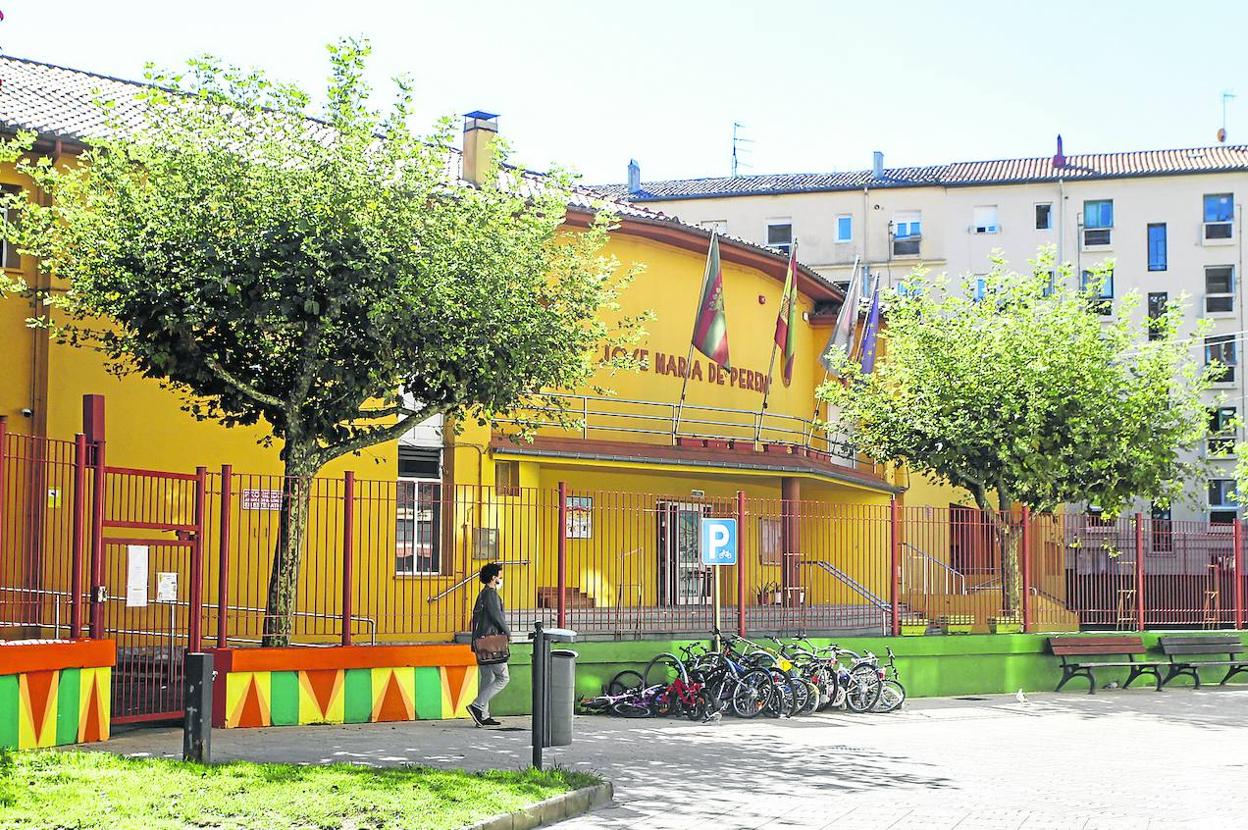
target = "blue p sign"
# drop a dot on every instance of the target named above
(719, 541)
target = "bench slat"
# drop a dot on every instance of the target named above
(1084, 665)
(1199, 639)
(1064, 650)
(1203, 648)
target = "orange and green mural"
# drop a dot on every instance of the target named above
(351, 684)
(53, 694)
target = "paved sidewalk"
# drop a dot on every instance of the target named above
(1119, 759)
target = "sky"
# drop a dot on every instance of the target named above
(818, 85)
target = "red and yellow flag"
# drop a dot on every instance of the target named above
(710, 329)
(786, 318)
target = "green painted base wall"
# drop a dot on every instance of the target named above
(931, 666)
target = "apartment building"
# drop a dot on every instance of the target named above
(1171, 220)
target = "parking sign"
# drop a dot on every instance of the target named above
(719, 541)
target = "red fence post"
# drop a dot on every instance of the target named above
(223, 555)
(1238, 560)
(348, 554)
(740, 563)
(561, 603)
(894, 566)
(1139, 570)
(4, 446)
(1025, 567)
(98, 495)
(79, 526)
(195, 625)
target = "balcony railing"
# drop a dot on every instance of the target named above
(672, 424)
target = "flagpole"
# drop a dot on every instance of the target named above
(771, 364)
(684, 384)
(853, 275)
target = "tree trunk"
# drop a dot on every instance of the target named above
(1008, 538)
(287, 550)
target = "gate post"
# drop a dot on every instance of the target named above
(223, 555)
(894, 567)
(1025, 566)
(194, 627)
(1139, 570)
(79, 522)
(740, 563)
(98, 590)
(4, 445)
(1238, 567)
(561, 602)
(348, 556)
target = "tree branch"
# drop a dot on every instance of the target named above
(376, 435)
(242, 386)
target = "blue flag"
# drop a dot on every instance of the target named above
(867, 352)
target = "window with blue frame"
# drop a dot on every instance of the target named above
(1219, 207)
(907, 233)
(981, 287)
(1102, 300)
(1098, 213)
(844, 228)
(1157, 247)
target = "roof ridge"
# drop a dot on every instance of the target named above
(76, 71)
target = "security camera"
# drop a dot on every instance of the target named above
(27, 412)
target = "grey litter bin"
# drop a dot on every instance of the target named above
(562, 695)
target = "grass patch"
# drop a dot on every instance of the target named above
(53, 789)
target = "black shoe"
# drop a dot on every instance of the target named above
(476, 715)
(491, 722)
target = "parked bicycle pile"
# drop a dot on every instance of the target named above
(748, 679)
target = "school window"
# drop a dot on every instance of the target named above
(1219, 216)
(780, 234)
(8, 254)
(507, 478)
(984, 219)
(1156, 310)
(1102, 294)
(844, 228)
(1221, 431)
(1219, 288)
(1157, 247)
(417, 533)
(1222, 506)
(1098, 221)
(1044, 216)
(907, 233)
(1163, 530)
(1221, 349)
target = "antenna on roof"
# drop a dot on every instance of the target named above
(737, 141)
(1226, 96)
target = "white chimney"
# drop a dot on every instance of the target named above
(877, 165)
(634, 176)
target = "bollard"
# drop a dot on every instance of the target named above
(538, 672)
(197, 726)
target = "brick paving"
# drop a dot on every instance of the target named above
(1117, 759)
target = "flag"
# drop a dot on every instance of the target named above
(869, 334)
(846, 322)
(710, 329)
(786, 317)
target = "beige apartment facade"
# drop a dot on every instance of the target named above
(1171, 220)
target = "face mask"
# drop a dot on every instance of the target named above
(500, 583)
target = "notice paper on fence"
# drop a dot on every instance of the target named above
(136, 576)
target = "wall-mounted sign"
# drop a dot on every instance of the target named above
(580, 517)
(166, 586)
(262, 499)
(707, 371)
(136, 576)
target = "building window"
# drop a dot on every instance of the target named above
(1221, 430)
(985, 219)
(507, 478)
(417, 532)
(780, 234)
(844, 228)
(9, 256)
(1156, 310)
(1044, 216)
(1050, 286)
(907, 233)
(1162, 530)
(1157, 247)
(1219, 288)
(1220, 349)
(1098, 221)
(720, 226)
(769, 540)
(1219, 216)
(980, 289)
(1102, 299)
(1222, 507)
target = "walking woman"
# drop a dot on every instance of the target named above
(491, 642)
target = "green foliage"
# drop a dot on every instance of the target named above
(299, 272)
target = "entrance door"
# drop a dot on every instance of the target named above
(683, 579)
(971, 545)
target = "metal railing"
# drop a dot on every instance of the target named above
(926, 565)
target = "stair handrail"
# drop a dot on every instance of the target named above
(467, 579)
(854, 585)
(952, 574)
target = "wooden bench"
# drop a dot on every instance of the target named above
(1082, 647)
(1180, 645)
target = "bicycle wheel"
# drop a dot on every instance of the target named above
(801, 696)
(626, 681)
(814, 697)
(863, 690)
(781, 703)
(664, 670)
(667, 704)
(892, 695)
(752, 693)
(631, 709)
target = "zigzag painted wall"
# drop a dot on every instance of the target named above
(47, 700)
(351, 684)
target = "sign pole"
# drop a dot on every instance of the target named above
(716, 603)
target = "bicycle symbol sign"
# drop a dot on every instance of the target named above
(719, 541)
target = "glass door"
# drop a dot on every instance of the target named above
(683, 579)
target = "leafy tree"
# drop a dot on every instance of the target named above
(300, 273)
(1029, 395)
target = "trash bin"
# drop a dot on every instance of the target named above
(562, 695)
